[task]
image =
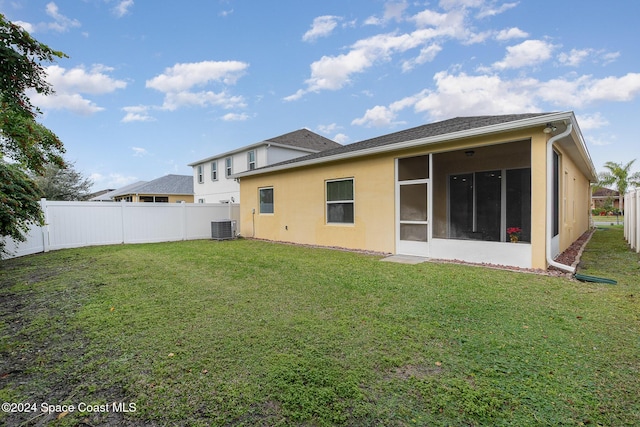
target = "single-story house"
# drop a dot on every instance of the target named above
(456, 189)
(602, 197)
(166, 189)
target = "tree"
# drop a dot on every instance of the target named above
(618, 175)
(23, 140)
(25, 145)
(58, 183)
(19, 200)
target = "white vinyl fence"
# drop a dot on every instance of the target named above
(632, 218)
(76, 224)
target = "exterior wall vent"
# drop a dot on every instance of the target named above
(223, 229)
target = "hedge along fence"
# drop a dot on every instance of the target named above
(632, 218)
(77, 224)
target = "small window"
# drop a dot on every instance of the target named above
(228, 165)
(200, 200)
(200, 174)
(251, 160)
(214, 171)
(340, 202)
(266, 200)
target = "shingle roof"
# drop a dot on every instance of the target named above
(605, 192)
(122, 190)
(168, 184)
(454, 125)
(304, 138)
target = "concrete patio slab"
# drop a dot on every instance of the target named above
(405, 259)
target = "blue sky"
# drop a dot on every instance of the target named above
(152, 86)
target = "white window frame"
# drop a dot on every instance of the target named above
(251, 160)
(273, 204)
(327, 202)
(200, 174)
(228, 166)
(214, 170)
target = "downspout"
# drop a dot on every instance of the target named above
(548, 238)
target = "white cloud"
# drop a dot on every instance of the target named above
(122, 8)
(451, 4)
(327, 129)
(592, 121)
(610, 57)
(427, 54)
(94, 81)
(334, 72)
(177, 81)
(574, 57)
(490, 10)
(235, 117)
(466, 95)
(139, 152)
(601, 141)
(341, 138)
(584, 90)
(138, 113)
(392, 11)
(71, 84)
(322, 26)
(525, 54)
(28, 27)
(511, 33)
(378, 116)
(182, 77)
(61, 23)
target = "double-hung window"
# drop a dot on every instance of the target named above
(266, 200)
(340, 201)
(251, 160)
(214, 171)
(227, 166)
(200, 174)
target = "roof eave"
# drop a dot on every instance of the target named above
(484, 130)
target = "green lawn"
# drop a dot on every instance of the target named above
(255, 333)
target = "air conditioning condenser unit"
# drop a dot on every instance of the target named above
(223, 229)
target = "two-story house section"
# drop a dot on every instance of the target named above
(213, 180)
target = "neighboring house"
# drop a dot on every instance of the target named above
(447, 190)
(166, 189)
(98, 195)
(603, 197)
(213, 180)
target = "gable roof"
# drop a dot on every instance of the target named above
(111, 194)
(166, 185)
(302, 140)
(446, 130)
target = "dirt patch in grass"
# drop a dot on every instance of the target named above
(43, 357)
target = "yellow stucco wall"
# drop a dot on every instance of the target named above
(300, 207)
(575, 201)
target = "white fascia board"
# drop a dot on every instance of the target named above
(485, 130)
